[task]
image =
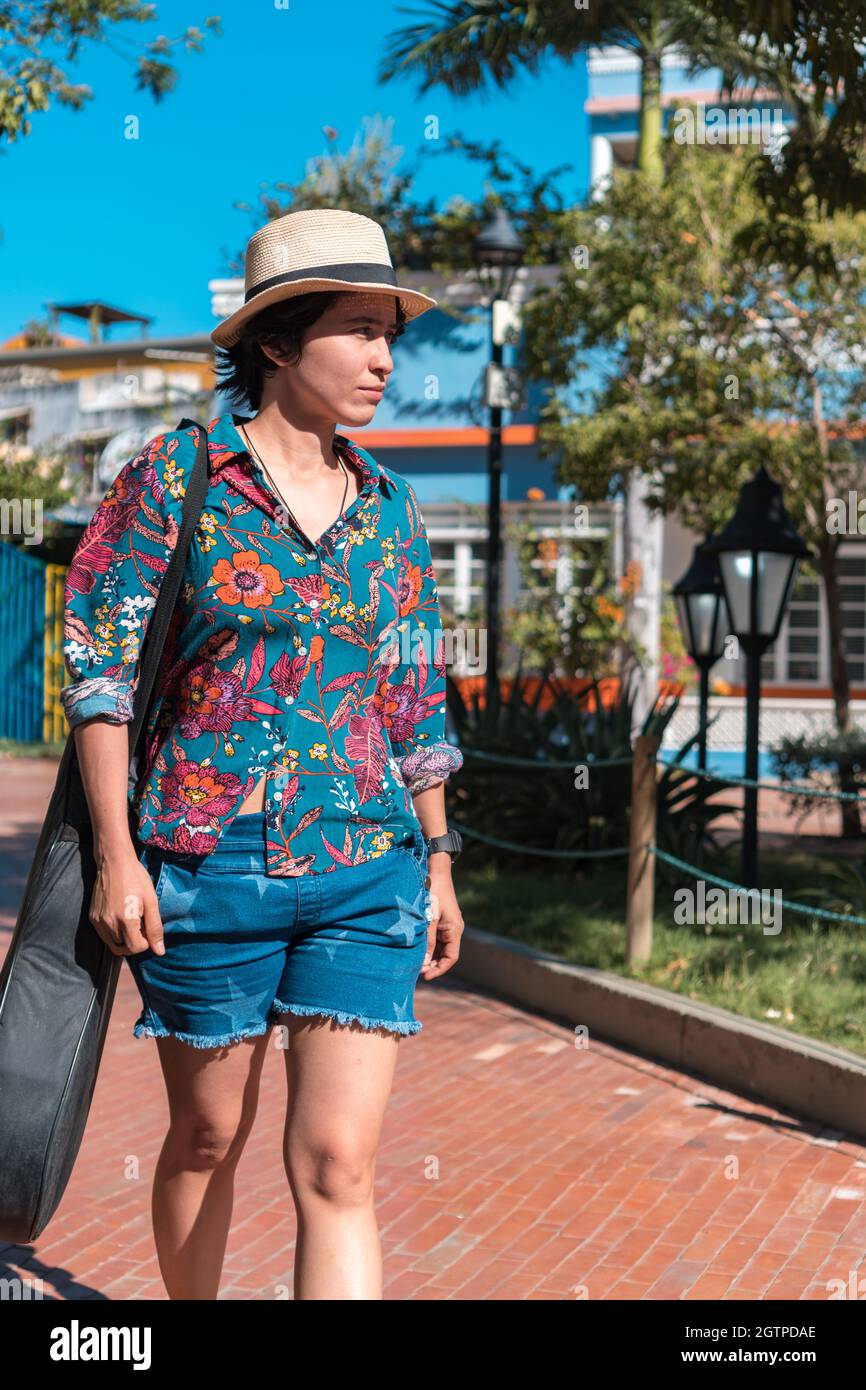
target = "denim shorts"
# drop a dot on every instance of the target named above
(242, 947)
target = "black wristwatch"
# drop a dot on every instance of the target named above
(451, 841)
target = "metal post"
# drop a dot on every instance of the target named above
(494, 471)
(702, 716)
(750, 799)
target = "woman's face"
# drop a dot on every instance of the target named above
(344, 353)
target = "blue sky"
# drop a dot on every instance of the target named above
(145, 224)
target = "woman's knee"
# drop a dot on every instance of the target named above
(204, 1141)
(339, 1171)
(211, 1106)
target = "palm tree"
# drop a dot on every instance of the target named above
(461, 45)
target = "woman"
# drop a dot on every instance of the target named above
(286, 860)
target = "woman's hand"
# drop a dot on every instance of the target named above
(123, 908)
(445, 927)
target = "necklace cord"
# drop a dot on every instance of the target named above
(279, 493)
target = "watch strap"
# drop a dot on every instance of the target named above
(451, 842)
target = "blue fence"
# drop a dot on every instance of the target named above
(22, 644)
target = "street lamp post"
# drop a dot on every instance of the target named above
(498, 254)
(759, 552)
(704, 621)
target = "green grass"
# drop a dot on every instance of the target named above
(808, 979)
(11, 748)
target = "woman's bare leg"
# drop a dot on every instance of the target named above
(212, 1098)
(339, 1080)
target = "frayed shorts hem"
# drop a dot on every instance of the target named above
(151, 1030)
(403, 1027)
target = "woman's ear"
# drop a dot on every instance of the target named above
(274, 354)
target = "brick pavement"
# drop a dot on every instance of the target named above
(513, 1165)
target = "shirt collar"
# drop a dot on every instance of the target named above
(225, 443)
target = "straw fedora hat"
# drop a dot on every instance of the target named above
(317, 249)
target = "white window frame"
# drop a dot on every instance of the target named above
(781, 655)
(453, 524)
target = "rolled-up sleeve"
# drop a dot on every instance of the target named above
(417, 686)
(110, 592)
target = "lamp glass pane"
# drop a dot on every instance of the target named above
(704, 609)
(773, 574)
(683, 616)
(774, 571)
(736, 568)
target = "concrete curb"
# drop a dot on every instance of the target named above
(810, 1078)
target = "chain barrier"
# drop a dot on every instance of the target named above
(726, 883)
(538, 765)
(798, 788)
(542, 765)
(525, 849)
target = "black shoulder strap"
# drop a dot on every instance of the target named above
(193, 503)
(69, 802)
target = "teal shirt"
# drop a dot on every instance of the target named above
(318, 664)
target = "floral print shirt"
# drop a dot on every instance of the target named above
(308, 663)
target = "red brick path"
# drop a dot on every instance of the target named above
(513, 1165)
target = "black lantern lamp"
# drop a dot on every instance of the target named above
(759, 552)
(498, 255)
(704, 621)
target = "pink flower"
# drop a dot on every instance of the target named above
(201, 794)
(211, 699)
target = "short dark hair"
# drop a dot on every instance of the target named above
(242, 368)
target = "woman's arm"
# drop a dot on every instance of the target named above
(103, 756)
(110, 593)
(445, 927)
(417, 652)
(123, 909)
(425, 757)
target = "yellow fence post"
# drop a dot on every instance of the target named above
(54, 727)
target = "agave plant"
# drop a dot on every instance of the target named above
(685, 813)
(845, 892)
(529, 778)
